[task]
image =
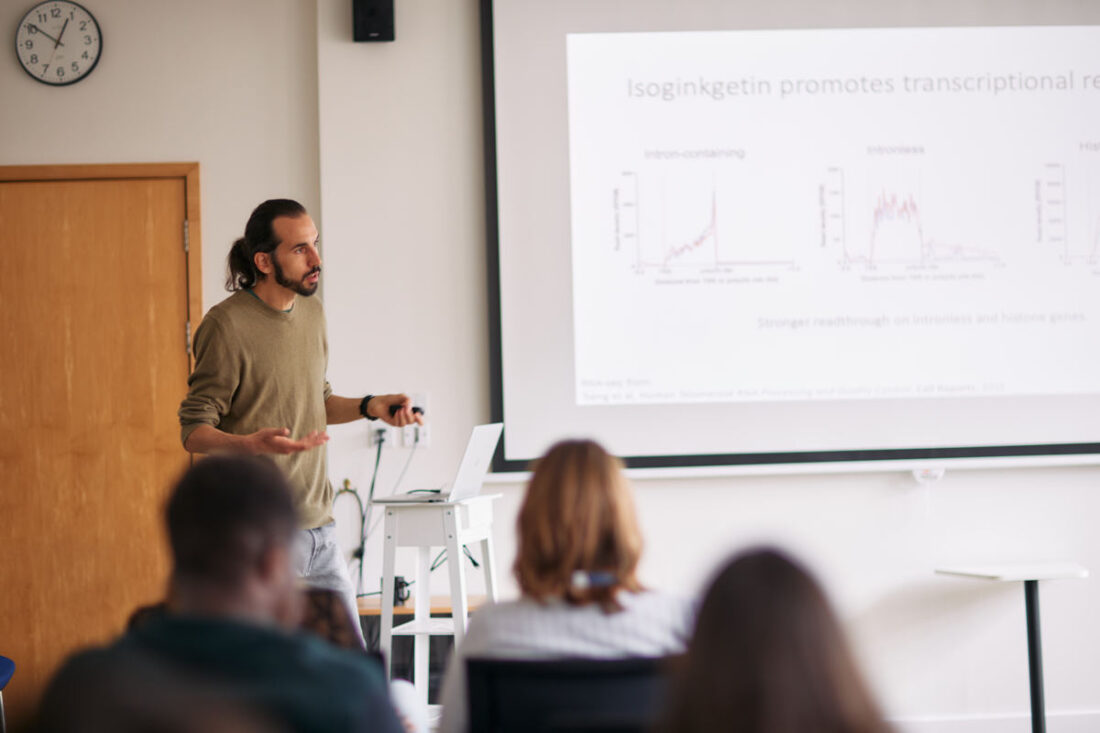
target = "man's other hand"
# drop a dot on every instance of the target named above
(380, 405)
(278, 440)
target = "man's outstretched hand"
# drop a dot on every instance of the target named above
(208, 439)
(278, 440)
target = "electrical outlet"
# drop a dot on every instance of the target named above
(380, 433)
(415, 435)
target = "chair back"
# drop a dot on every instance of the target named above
(7, 669)
(566, 695)
(325, 614)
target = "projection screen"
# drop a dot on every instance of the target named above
(736, 233)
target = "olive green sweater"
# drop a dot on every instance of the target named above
(257, 367)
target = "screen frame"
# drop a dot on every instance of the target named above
(917, 456)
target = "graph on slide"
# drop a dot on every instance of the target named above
(693, 220)
(1068, 212)
(891, 230)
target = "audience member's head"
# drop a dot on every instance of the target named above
(769, 656)
(231, 522)
(578, 533)
(214, 658)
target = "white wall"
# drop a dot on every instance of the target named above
(232, 85)
(403, 223)
(402, 194)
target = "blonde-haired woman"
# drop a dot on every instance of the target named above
(576, 566)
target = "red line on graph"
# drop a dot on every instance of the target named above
(711, 232)
(891, 209)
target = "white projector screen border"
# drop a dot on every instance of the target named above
(1071, 444)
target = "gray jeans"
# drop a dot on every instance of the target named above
(318, 562)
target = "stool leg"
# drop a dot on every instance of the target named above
(422, 642)
(456, 566)
(489, 568)
(389, 556)
(1035, 657)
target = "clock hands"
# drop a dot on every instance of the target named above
(56, 41)
(61, 35)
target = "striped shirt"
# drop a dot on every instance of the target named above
(651, 624)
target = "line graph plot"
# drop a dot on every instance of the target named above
(892, 230)
(1068, 212)
(688, 219)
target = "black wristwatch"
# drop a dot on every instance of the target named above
(363, 407)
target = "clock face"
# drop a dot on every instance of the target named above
(58, 42)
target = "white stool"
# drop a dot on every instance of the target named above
(425, 525)
(1030, 574)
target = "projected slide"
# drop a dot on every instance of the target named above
(834, 214)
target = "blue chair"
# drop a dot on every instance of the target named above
(7, 669)
(574, 695)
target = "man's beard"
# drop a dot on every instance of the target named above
(300, 286)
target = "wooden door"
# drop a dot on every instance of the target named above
(94, 303)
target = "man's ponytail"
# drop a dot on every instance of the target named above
(241, 269)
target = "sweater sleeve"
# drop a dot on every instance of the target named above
(214, 381)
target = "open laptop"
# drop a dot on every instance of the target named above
(471, 472)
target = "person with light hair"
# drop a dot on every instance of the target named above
(576, 566)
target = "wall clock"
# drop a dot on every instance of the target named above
(58, 42)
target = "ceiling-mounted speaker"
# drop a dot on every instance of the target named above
(372, 20)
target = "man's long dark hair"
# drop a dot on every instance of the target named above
(259, 236)
(769, 656)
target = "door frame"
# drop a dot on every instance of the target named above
(189, 172)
